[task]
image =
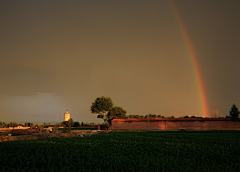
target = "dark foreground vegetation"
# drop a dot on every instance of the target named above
(127, 151)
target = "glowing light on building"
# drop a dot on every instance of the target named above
(66, 116)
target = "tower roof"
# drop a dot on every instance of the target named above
(67, 112)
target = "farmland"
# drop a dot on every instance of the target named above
(127, 151)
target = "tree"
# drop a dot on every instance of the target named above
(234, 113)
(100, 115)
(68, 123)
(26, 124)
(102, 105)
(3, 124)
(151, 116)
(13, 124)
(82, 124)
(116, 112)
(133, 117)
(76, 124)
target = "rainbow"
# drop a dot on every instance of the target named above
(193, 60)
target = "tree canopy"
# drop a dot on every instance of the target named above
(101, 106)
(234, 113)
(68, 123)
(116, 112)
(76, 124)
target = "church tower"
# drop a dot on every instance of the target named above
(66, 116)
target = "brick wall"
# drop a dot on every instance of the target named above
(175, 124)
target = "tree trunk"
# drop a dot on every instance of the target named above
(104, 117)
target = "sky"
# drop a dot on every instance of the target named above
(166, 57)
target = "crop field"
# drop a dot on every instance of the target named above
(90, 128)
(127, 151)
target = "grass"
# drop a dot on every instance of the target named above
(60, 129)
(127, 151)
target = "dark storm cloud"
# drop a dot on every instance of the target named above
(62, 55)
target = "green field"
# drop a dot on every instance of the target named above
(85, 128)
(127, 151)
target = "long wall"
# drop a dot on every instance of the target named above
(175, 124)
(15, 128)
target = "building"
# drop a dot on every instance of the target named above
(66, 116)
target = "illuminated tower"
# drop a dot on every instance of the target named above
(66, 116)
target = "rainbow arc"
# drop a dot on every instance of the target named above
(193, 60)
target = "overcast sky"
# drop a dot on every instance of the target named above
(59, 55)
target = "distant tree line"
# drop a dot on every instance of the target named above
(72, 123)
(103, 106)
(189, 117)
(45, 125)
(14, 124)
(149, 116)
